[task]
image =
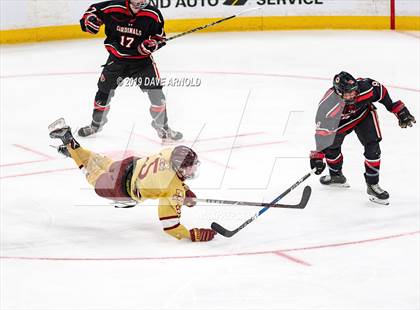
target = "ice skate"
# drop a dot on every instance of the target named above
(167, 134)
(337, 180)
(88, 130)
(377, 194)
(60, 130)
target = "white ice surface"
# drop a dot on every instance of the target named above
(111, 258)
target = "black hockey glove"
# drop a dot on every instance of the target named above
(92, 23)
(317, 161)
(148, 46)
(405, 118)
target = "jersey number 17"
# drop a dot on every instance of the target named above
(126, 41)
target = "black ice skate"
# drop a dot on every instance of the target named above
(167, 134)
(336, 180)
(377, 194)
(89, 130)
(95, 126)
(59, 130)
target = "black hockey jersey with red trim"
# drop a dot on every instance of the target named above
(334, 116)
(125, 30)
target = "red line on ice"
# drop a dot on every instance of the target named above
(291, 76)
(13, 76)
(45, 156)
(205, 158)
(35, 173)
(23, 163)
(275, 252)
(227, 137)
(26, 148)
(242, 146)
(292, 258)
(207, 139)
(351, 242)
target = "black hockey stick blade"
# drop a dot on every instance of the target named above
(229, 233)
(220, 229)
(223, 231)
(307, 191)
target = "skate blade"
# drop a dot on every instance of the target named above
(374, 199)
(124, 204)
(337, 185)
(58, 124)
(170, 141)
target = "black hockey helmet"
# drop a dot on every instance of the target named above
(344, 83)
(184, 161)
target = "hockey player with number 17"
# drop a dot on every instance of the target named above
(346, 107)
(134, 30)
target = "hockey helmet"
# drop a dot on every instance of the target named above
(139, 4)
(345, 85)
(185, 162)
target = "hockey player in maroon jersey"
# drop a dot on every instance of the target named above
(134, 30)
(346, 107)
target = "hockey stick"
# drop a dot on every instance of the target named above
(301, 205)
(209, 25)
(229, 233)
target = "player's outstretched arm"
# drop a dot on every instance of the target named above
(405, 119)
(169, 216)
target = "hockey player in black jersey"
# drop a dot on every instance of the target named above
(134, 30)
(346, 107)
